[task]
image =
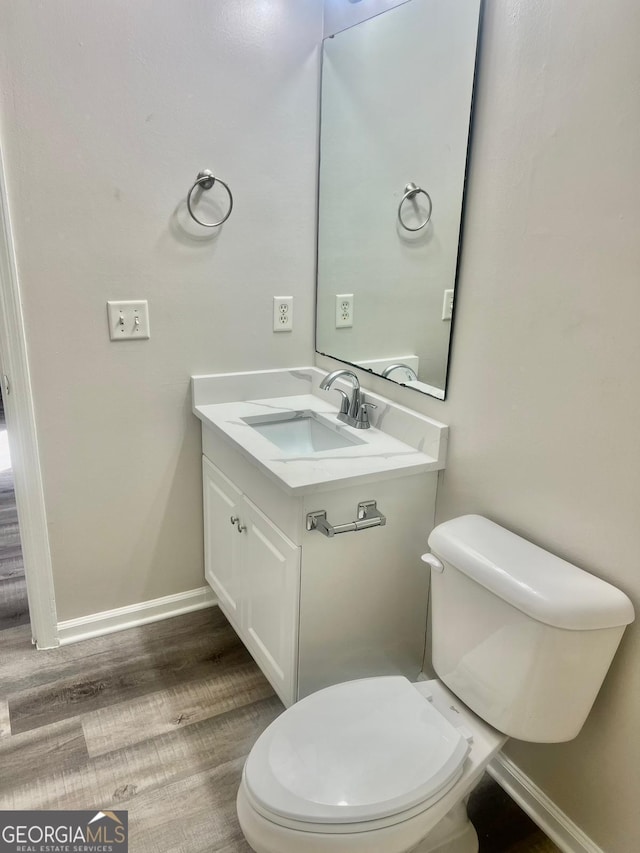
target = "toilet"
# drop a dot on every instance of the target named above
(522, 641)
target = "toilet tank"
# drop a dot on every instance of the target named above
(522, 637)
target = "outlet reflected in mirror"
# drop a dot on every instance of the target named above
(395, 113)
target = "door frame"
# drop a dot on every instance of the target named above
(23, 440)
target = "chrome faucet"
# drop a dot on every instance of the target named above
(354, 412)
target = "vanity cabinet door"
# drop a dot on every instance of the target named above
(222, 544)
(270, 604)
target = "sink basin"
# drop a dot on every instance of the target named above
(301, 433)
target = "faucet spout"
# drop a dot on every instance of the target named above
(330, 378)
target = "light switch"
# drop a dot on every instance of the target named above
(128, 320)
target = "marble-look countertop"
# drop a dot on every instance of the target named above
(379, 456)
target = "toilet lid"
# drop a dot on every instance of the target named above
(358, 751)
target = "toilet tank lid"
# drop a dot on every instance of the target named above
(543, 586)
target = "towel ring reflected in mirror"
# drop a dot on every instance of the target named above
(410, 192)
(205, 180)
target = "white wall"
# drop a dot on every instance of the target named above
(544, 384)
(107, 113)
(340, 14)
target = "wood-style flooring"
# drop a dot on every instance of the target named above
(157, 720)
(13, 591)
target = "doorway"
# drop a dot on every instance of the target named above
(14, 604)
(19, 417)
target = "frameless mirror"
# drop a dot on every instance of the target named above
(395, 113)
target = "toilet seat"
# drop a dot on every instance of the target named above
(354, 753)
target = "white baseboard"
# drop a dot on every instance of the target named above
(85, 627)
(532, 800)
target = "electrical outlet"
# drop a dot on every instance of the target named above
(344, 310)
(447, 305)
(128, 320)
(282, 313)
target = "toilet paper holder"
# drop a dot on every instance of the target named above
(368, 516)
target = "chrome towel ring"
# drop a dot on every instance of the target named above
(205, 181)
(411, 191)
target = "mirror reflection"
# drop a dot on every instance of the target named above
(395, 112)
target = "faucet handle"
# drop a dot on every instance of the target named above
(344, 405)
(363, 414)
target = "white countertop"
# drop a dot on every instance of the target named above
(380, 456)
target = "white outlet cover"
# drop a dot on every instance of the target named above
(447, 304)
(344, 310)
(282, 313)
(129, 320)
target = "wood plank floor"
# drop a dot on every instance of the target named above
(13, 590)
(142, 720)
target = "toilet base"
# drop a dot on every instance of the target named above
(454, 833)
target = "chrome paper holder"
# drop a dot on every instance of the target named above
(368, 516)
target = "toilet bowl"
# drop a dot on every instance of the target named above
(522, 641)
(378, 764)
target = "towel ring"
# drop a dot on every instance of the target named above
(411, 191)
(205, 181)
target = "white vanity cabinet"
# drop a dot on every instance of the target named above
(254, 569)
(313, 610)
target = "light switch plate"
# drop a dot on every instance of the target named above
(128, 320)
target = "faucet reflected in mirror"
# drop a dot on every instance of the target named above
(409, 372)
(395, 114)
